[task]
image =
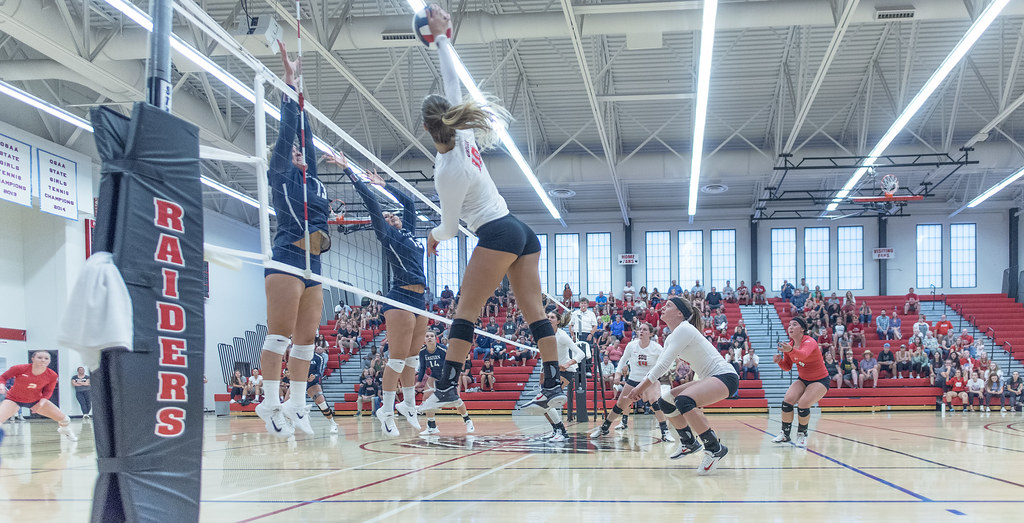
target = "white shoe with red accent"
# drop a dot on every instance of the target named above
(711, 460)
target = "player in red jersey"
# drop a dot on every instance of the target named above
(33, 385)
(803, 352)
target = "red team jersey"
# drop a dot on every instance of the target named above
(29, 388)
(807, 358)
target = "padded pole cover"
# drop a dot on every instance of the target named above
(148, 403)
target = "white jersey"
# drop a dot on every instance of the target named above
(639, 358)
(688, 343)
(460, 176)
(568, 350)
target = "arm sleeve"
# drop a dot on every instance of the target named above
(452, 87)
(423, 368)
(281, 159)
(807, 347)
(9, 373)
(624, 359)
(372, 205)
(787, 363)
(408, 207)
(452, 195)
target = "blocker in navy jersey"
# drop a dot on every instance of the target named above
(431, 360)
(285, 181)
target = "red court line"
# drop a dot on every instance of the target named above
(925, 435)
(360, 487)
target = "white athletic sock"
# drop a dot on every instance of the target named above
(389, 400)
(272, 392)
(409, 393)
(65, 422)
(297, 400)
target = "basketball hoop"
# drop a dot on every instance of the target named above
(889, 185)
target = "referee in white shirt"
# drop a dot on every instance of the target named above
(584, 321)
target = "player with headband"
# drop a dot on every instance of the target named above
(506, 245)
(432, 359)
(404, 256)
(718, 381)
(639, 355)
(813, 383)
(294, 303)
(569, 356)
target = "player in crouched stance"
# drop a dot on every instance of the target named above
(432, 357)
(718, 381)
(33, 385)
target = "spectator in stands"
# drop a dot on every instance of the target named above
(642, 295)
(369, 392)
(750, 365)
(798, 299)
(238, 386)
(601, 300)
(966, 338)
(844, 341)
(491, 305)
(895, 325)
(674, 289)
(887, 361)
(607, 371)
(739, 335)
(628, 292)
(994, 388)
(697, 291)
(743, 294)
(487, 375)
(882, 326)
(447, 297)
(957, 389)
(483, 347)
(786, 291)
(730, 358)
(348, 338)
(868, 368)
(990, 368)
(943, 327)
(825, 343)
(921, 326)
(849, 369)
(728, 293)
(255, 386)
(804, 287)
(499, 352)
(615, 353)
(759, 293)
(567, 295)
(903, 362)
(714, 299)
(466, 377)
(833, 370)
(911, 303)
(942, 374)
(656, 298)
(920, 365)
(817, 294)
(629, 314)
(849, 310)
(931, 344)
(618, 327)
(720, 321)
(856, 331)
(865, 313)
(1014, 390)
(834, 311)
(976, 390)
(976, 348)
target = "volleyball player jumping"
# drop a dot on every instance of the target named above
(506, 245)
(801, 351)
(408, 282)
(33, 385)
(638, 355)
(294, 303)
(432, 358)
(718, 381)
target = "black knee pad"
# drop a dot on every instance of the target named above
(461, 330)
(665, 406)
(803, 413)
(541, 329)
(656, 406)
(787, 407)
(616, 409)
(685, 404)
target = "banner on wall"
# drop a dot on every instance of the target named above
(58, 184)
(15, 171)
(883, 253)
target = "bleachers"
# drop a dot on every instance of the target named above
(995, 315)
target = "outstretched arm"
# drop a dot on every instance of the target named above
(440, 23)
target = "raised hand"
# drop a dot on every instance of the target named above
(338, 160)
(292, 68)
(374, 178)
(438, 20)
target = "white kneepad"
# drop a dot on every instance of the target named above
(275, 343)
(413, 362)
(396, 365)
(302, 352)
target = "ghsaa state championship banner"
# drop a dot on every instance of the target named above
(148, 400)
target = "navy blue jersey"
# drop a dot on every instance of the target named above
(432, 360)
(286, 182)
(403, 253)
(318, 365)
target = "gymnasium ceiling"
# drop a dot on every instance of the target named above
(641, 60)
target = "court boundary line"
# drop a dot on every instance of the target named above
(923, 435)
(299, 480)
(590, 501)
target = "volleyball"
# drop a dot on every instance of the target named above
(421, 28)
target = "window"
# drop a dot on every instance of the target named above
(963, 255)
(567, 263)
(446, 266)
(691, 257)
(658, 260)
(471, 242)
(599, 262)
(929, 256)
(816, 257)
(543, 268)
(851, 257)
(723, 258)
(783, 257)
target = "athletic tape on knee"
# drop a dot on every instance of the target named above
(616, 409)
(302, 352)
(396, 365)
(803, 413)
(685, 404)
(461, 330)
(275, 343)
(413, 362)
(787, 407)
(541, 329)
(667, 407)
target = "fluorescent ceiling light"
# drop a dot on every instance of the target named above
(992, 191)
(43, 105)
(244, 198)
(962, 47)
(707, 44)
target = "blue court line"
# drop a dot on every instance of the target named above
(855, 469)
(580, 501)
(986, 476)
(954, 511)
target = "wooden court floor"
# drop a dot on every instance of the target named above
(908, 466)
